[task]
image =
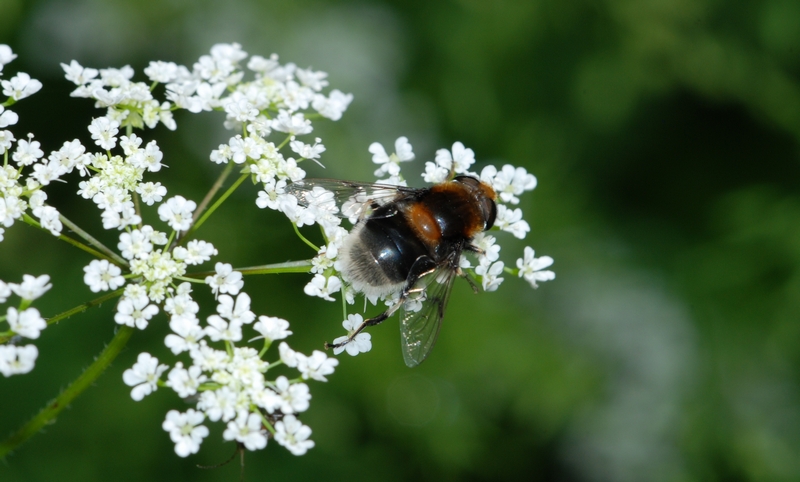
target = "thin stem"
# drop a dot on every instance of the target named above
(209, 196)
(297, 230)
(119, 260)
(48, 414)
(303, 266)
(29, 220)
(219, 202)
(78, 309)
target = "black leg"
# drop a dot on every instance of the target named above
(421, 267)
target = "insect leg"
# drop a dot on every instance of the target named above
(421, 267)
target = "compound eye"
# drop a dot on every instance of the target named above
(489, 209)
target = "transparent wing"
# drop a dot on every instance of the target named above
(421, 317)
(355, 200)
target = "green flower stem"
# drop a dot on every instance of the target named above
(285, 141)
(209, 196)
(219, 202)
(77, 309)
(29, 220)
(117, 259)
(48, 414)
(303, 266)
(303, 238)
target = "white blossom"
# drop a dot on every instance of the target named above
(143, 376)
(32, 287)
(185, 430)
(293, 435)
(177, 212)
(135, 312)
(100, 275)
(323, 287)
(247, 429)
(226, 280)
(533, 269)
(316, 366)
(17, 360)
(272, 328)
(361, 343)
(28, 323)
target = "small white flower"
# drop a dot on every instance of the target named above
(104, 132)
(151, 192)
(6, 55)
(185, 430)
(247, 430)
(32, 287)
(332, 106)
(188, 334)
(511, 220)
(289, 357)
(509, 182)
(28, 323)
(185, 382)
(5, 291)
(272, 328)
(135, 312)
(391, 164)
(295, 124)
(177, 212)
(308, 151)
(77, 74)
(17, 360)
(6, 137)
(316, 366)
(218, 404)
(323, 287)
(102, 276)
(314, 80)
(458, 161)
(143, 376)
(434, 173)
(362, 342)
(238, 312)
(531, 267)
(489, 275)
(195, 252)
(226, 280)
(135, 244)
(294, 398)
(27, 152)
(163, 72)
(219, 329)
(292, 434)
(7, 118)
(487, 243)
(20, 86)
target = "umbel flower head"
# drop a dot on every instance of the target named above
(220, 359)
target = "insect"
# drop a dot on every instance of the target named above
(407, 241)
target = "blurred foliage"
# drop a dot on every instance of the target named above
(665, 136)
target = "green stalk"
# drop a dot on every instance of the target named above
(218, 203)
(48, 414)
(303, 238)
(303, 266)
(209, 196)
(29, 220)
(118, 260)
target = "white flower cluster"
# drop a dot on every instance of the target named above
(230, 381)
(23, 322)
(22, 179)
(230, 384)
(508, 183)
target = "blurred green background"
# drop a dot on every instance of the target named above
(664, 134)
